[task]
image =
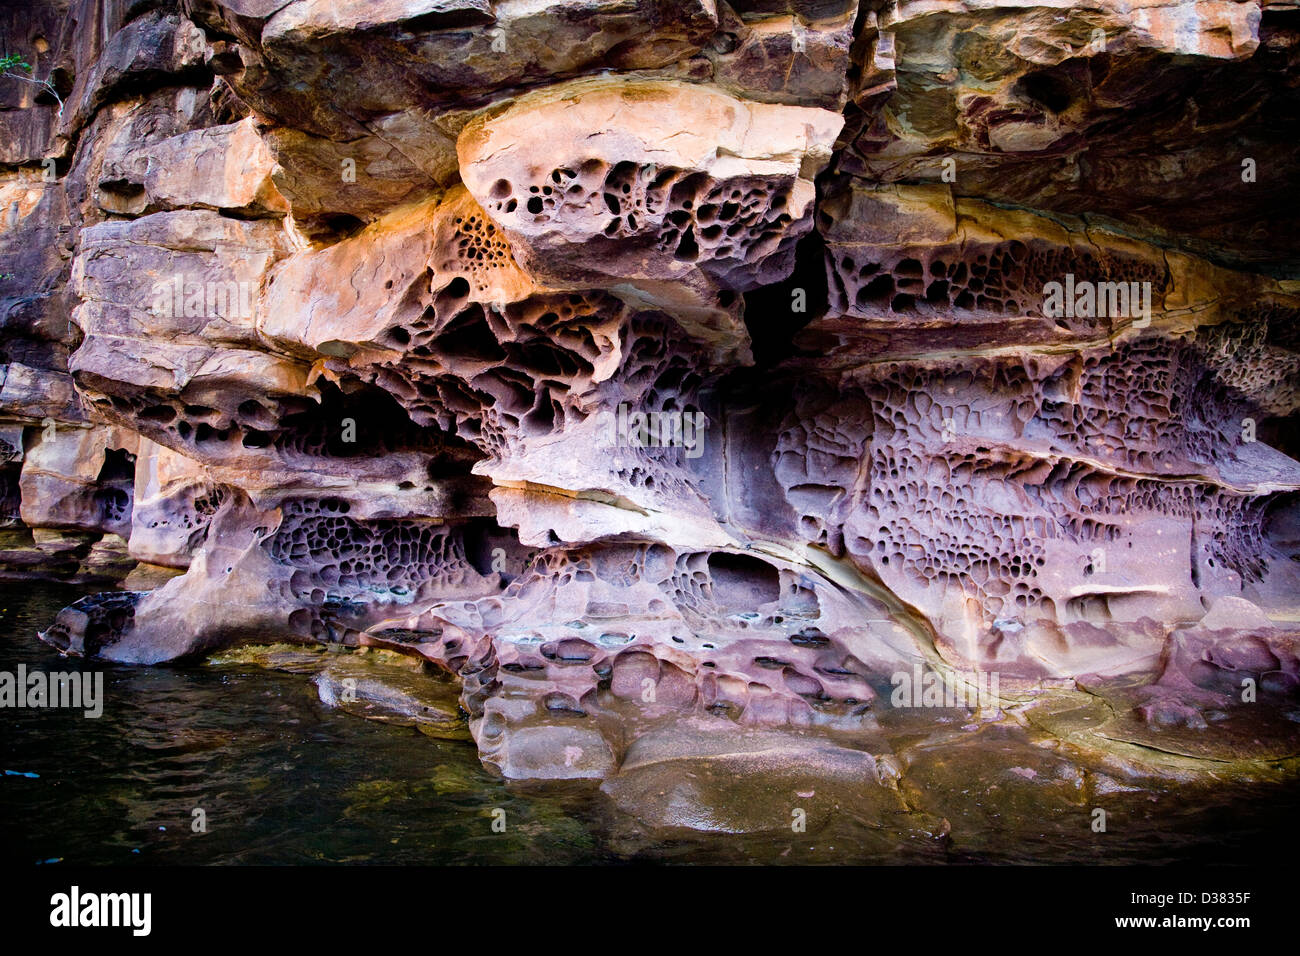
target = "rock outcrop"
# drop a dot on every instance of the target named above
(669, 369)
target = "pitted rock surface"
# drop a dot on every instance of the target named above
(677, 374)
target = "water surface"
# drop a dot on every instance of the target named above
(284, 779)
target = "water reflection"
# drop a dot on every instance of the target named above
(280, 778)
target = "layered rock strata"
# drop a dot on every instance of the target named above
(671, 367)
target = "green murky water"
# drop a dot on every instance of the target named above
(281, 778)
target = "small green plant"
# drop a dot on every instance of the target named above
(11, 62)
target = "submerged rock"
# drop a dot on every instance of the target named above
(377, 685)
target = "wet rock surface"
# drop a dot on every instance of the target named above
(679, 380)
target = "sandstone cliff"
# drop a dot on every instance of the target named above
(656, 361)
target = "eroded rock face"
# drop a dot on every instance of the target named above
(674, 373)
(713, 209)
